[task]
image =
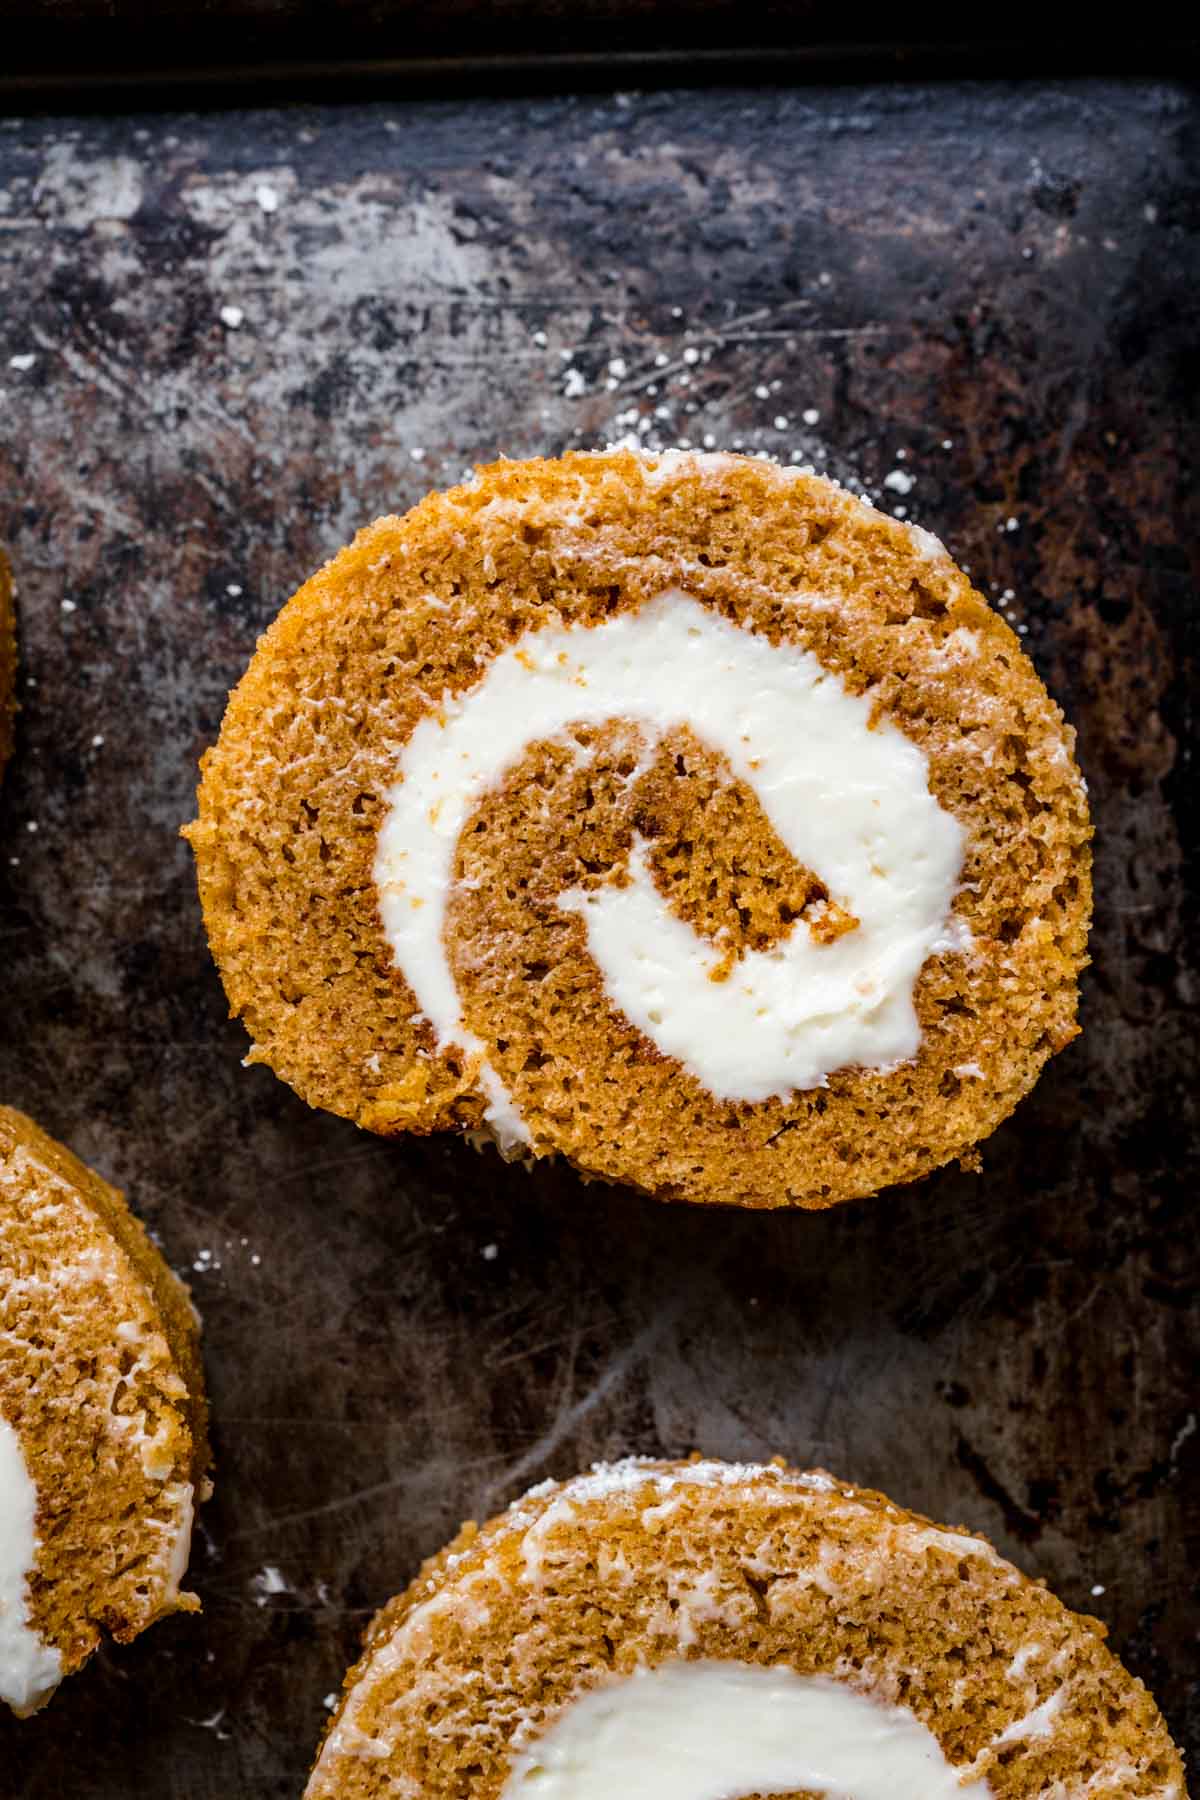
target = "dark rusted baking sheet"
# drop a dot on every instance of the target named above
(225, 341)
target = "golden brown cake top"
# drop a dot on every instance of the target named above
(641, 1565)
(102, 1408)
(398, 634)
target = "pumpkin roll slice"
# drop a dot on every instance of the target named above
(103, 1443)
(678, 814)
(706, 1630)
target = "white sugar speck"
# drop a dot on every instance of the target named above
(810, 415)
(22, 363)
(900, 481)
(68, 606)
(31, 824)
(267, 197)
(1097, 1591)
(762, 391)
(233, 589)
(98, 742)
(269, 1580)
(618, 367)
(232, 316)
(490, 1252)
(1186, 1430)
(417, 453)
(574, 384)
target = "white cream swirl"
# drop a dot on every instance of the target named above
(709, 1730)
(849, 798)
(30, 1670)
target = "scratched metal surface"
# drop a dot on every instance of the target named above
(997, 282)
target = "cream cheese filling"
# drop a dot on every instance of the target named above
(715, 1730)
(849, 799)
(30, 1670)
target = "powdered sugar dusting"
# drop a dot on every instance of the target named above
(697, 1595)
(632, 1473)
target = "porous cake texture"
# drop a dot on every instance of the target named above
(531, 1008)
(644, 1565)
(103, 1414)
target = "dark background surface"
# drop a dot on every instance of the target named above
(54, 50)
(997, 281)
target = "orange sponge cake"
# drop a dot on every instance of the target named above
(678, 814)
(8, 662)
(692, 1631)
(103, 1445)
